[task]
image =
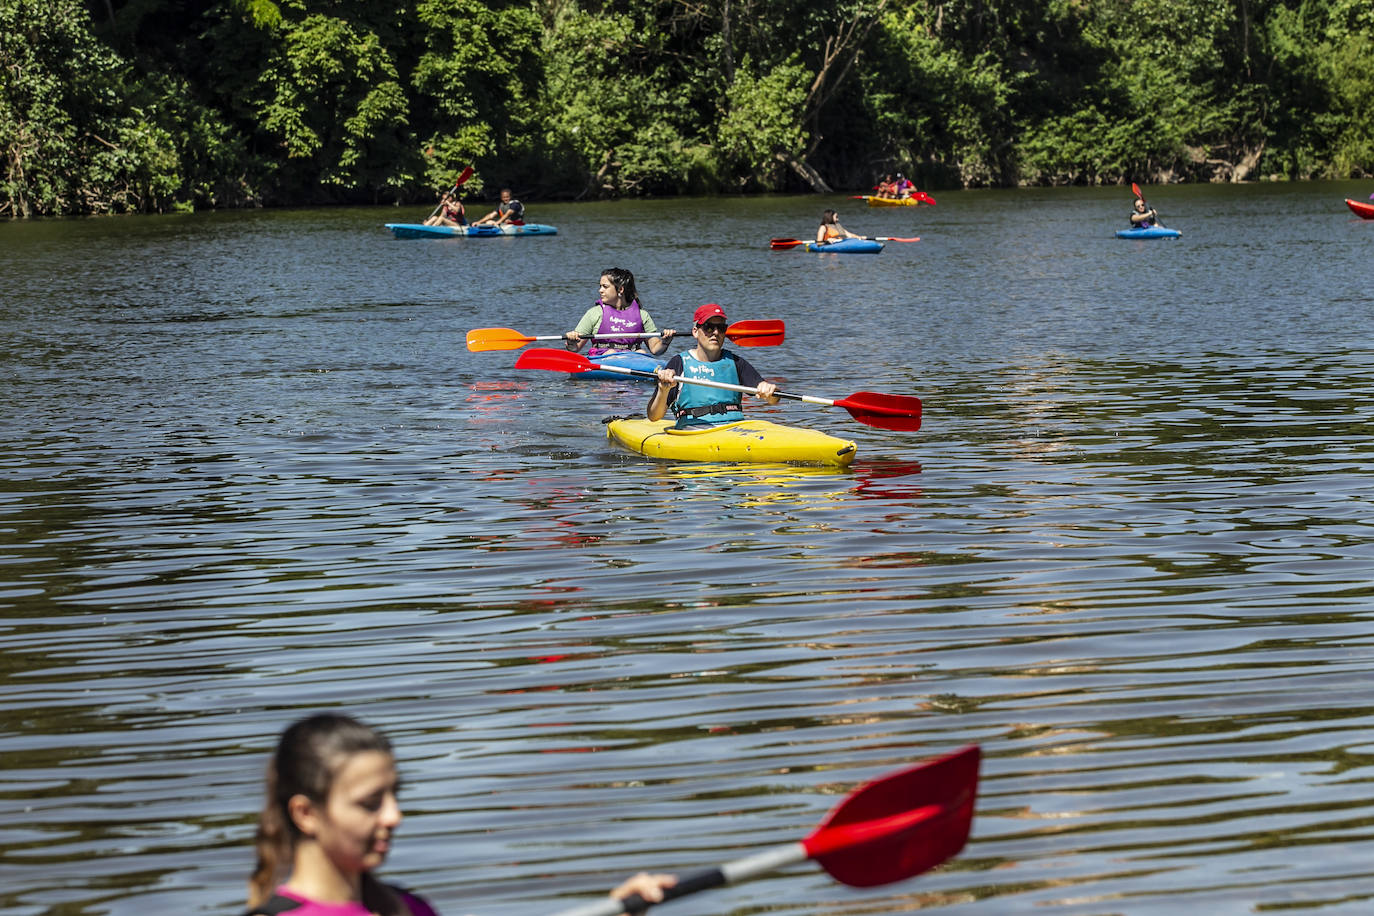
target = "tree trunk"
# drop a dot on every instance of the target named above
(807, 173)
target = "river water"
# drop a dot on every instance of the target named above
(249, 470)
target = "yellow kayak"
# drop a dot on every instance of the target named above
(916, 198)
(751, 441)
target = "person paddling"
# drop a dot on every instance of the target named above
(698, 405)
(1141, 216)
(830, 229)
(329, 820)
(451, 212)
(617, 311)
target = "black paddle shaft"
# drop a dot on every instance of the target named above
(703, 880)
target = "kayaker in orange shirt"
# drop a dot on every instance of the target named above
(830, 229)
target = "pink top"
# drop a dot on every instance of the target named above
(417, 906)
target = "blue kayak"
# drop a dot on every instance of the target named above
(420, 231)
(626, 359)
(846, 246)
(1148, 232)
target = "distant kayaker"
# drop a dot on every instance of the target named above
(1142, 217)
(830, 229)
(904, 186)
(887, 187)
(617, 311)
(451, 212)
(698, 405)
(329, 820)
(509, 210)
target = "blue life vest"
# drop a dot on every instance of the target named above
(699, 405)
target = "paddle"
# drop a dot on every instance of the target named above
(1135, 189)
(458, 182)
(743, 333)
(784, 244)
(893, 828)
(885, 411)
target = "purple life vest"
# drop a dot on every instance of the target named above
(618, 321)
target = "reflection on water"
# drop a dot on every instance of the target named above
(249, 469)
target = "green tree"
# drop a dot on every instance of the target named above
(478, 78)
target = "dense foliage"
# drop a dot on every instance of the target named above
(149, 105)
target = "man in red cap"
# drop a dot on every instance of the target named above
(699, 405)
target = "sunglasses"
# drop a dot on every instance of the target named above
(715, 327)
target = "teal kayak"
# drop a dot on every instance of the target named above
(846, 246)
(1148, 232)
(420, 231)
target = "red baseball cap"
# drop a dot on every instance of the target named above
(706, 312)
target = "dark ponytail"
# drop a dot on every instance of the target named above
(624, 283)
(308, 756)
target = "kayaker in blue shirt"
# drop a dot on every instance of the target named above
(700, 405)
(1141, 217)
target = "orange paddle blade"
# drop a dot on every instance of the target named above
(496, 339)
(780, 244)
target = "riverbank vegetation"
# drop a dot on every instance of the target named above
(156, 105)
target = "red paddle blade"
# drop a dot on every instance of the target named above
(756, 333)
(554, 360)
(901, 825)
(885, 411)
(1135, 189)
(925, 198)
(496, 339)
(780, 244)
(463, 177)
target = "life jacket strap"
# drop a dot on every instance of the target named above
(706, 410)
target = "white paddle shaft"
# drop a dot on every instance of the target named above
(710, 384)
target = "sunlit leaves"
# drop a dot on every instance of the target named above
(334, 98)
(478, 76)
(763, 117)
